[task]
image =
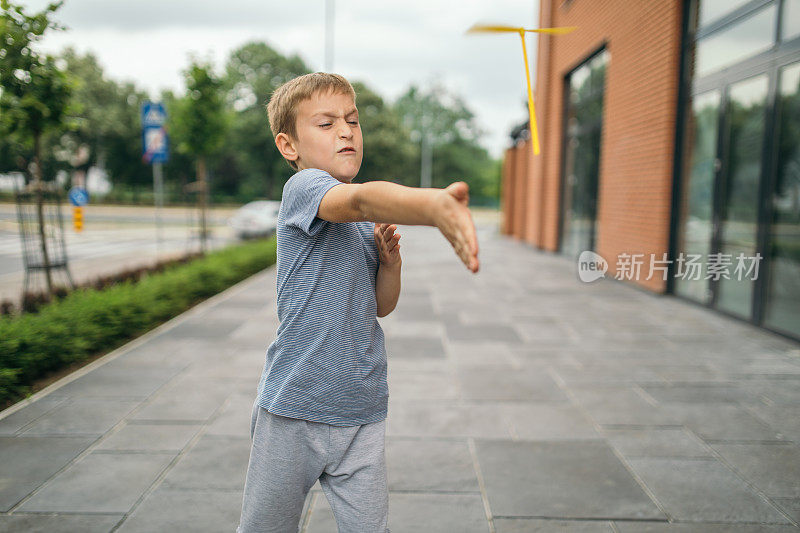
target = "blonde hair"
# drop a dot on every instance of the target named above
(283, 104)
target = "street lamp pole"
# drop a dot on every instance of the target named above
(329, 6)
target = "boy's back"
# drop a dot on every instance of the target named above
(328, 361)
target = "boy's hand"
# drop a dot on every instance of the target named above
(455, 222)
(387, 241)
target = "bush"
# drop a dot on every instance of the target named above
(90, 321)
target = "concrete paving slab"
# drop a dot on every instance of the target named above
(27, 462)
(415, 512)
(149, 437)
(773, 468)
(657, 442)
(650, 527)
(186, 511)
(82, 416)
(100, 482)
(545, 421)
(499, 384)
(214, 462)
(697, 490)
(723, 422)
(414, 347)
(17, 420)
(790, 507)
(563, 479)
(445, 418)
(67, 523)
(533, 525)
(430, 465)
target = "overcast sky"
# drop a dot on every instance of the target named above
(386, 44)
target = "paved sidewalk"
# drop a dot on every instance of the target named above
(520, 400)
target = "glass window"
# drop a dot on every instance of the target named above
(711, 10)
(583, 125)
(782, 311)
(790, 20)
(741, 40)
(697, 221)
(745, 138)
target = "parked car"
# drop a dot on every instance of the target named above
(255, 219)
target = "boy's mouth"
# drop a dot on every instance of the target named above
(347, 149)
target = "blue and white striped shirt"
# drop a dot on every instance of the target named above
(328, 360)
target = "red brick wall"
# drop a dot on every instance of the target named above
(635, 181)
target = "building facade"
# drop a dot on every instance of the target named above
(670, 146)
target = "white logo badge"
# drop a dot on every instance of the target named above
(591, 266)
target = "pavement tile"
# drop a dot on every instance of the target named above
(27, 462)
(564, 479)
(656, 442)
(533, 525)
(469, 355)
(790, 506)
(703, 490)
(651, 527)
(499, 384)
(212, 463)
(621, 405)
(545, 421)
(64, 523)
(202, 328)
(413, 347)
(112, 380)
(186, 511)
(85, 416)
(428, 385)
(773, 468)
(430, 465)
(149, 437)
(697, 392)
(234, 418)
(17, 420)
(724, 422)
(445, 418)
(483, 332)
(413, 513)
(100, 483)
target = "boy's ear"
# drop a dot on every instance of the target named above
(286, 147)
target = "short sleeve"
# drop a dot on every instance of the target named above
(302, 195)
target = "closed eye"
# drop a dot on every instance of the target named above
(325, 125)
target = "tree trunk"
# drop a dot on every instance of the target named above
(201, 178)
(38, 188)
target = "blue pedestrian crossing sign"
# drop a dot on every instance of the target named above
(78, 196)
(155, 142)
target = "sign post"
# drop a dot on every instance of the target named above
(78, 197)
(155, 148)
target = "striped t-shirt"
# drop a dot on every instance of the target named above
(328, 360)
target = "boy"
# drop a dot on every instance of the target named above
(321, 406)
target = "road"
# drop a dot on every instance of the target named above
(113, 238)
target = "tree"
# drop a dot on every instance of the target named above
(199, 124)
(35, 93)
(453, 141)
(252, 73)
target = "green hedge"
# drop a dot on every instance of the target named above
(89, 321)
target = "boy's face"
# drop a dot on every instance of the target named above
(328, 136)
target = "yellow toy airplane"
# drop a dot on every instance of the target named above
(483, 28)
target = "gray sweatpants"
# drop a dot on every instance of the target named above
(288, 455)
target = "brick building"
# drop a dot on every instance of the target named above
(670, 136)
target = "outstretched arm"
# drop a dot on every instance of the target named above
(384, 201)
